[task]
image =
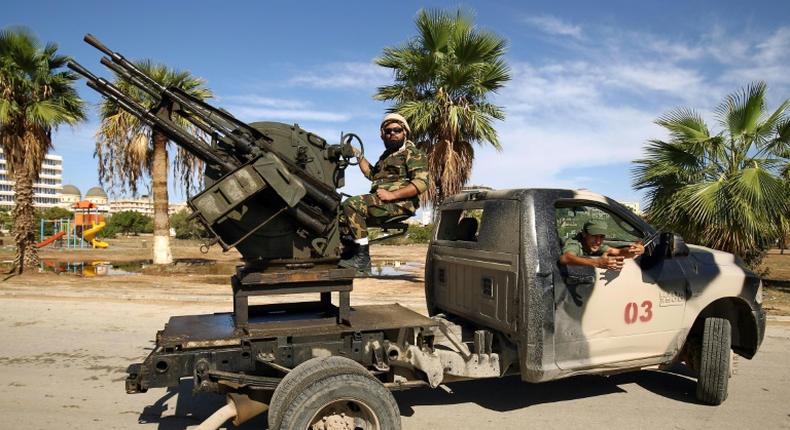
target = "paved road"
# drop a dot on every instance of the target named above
(62, 365)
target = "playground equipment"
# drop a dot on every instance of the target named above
(79, 232)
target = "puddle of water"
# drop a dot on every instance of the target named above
(90, 268)
(394, 268)
(383, 268)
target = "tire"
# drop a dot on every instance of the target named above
(714, 361)
(343, 401)
(307, 374)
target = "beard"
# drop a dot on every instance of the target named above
(393, 146)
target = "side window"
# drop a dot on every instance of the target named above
(460, 224)
(572, 218)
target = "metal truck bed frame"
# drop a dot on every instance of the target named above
(293, 319)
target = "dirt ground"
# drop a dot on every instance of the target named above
(777, 290)
(195, 277)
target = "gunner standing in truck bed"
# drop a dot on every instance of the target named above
(399, 177)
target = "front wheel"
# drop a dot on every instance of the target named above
(715, 359)
(344, 401)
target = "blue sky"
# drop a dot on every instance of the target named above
(589, 78)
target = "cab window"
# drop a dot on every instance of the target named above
(571, 219)
(489, 225)
(461, 224)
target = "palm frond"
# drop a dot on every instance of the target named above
(441, 81)
(123, 144)
(740, 111)
(685, 125)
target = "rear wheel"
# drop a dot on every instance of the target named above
(715, 359)
(304, 375)
(343, 402)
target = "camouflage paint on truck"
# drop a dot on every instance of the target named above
(569, 320)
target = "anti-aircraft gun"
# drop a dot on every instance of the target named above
(271, 187)
(271, 192)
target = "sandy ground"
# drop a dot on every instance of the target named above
(66, 341)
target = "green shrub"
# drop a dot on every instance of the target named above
(416, 234)
(419, 233)
(186, 229)
(128, 222)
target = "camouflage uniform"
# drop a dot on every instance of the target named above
(392, 172)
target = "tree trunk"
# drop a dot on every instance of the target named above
(162, 253)
(24, 220)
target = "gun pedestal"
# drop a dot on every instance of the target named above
(323, 281)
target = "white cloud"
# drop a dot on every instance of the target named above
(251, 107)
(265, 101)
(554, 25)
(254, 113)
(768, 60)
(775, 48)
(670, 50)
(678, 81)
(358, 75)
(597, 108)
(539, 149)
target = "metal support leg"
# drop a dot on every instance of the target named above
(344, 310)
(240, 303)
(326, 299)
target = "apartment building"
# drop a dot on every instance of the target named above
(47, 190)
(634, 206)
(143, 204)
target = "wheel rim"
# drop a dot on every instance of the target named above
(345, 414)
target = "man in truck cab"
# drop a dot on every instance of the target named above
(399, 177)
(588, 243)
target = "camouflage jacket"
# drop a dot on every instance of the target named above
(396, 170)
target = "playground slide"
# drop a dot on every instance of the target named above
(50, 239)
(90, 234)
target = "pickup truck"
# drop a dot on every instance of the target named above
(500, 303)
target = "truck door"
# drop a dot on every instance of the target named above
(606, 316)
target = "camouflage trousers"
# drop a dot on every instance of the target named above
(357, 210)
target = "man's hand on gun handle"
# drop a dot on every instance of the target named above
(610, 262)
(636, 249)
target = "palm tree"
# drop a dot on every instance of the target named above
(783, 219)
(128, 150)
(36, 96)
(721, 190)
(443, 77)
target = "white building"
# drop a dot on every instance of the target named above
(143, 205)
(634, 206)
(46, 192)
(69, 195)
(98, 197)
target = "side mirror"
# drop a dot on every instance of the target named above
(672, 245)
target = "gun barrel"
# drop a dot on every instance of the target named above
(165, 126)
(123, 74)
(216, 123)
(77, 67)
(93, 41)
